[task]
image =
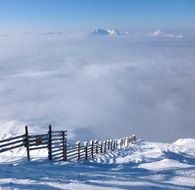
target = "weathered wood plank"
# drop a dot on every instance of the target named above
(13, 138)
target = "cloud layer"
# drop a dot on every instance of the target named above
(160, 33)
(108, 87)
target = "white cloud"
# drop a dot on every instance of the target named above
(109, 86)
(157, 33)
(160, 33)
(179, 36)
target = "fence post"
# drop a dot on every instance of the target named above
(105, 144)
(127, 141)
(86, 150)
(121, 143)
(27, 143)
(124, 142)
(101, 147)
(134, 138)
(64, 146)
(96, 146)
(117, 143)
(78, 150)
(109, 144)
(92, 148)
(113, 144)
(50, 143)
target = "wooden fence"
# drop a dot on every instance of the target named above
(58, 147)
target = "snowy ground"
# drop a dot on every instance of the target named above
(144, 165)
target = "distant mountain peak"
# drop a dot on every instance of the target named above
(107, 32)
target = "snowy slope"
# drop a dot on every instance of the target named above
(144, 165)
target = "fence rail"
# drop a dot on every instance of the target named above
(12, 143)
(58, 148)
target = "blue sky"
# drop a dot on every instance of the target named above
(88, 14)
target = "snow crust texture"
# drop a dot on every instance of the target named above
(143, 165)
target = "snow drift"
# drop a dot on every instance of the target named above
(144, 165)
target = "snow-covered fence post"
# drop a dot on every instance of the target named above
(120, 143)
(64, 144)
(86, 150)
(96, 146)
(111, 145)
(127, 141)
(114, 144)
(78, 150)
(27, 142)
(134, 137)
(49, 143)
(65, 147)
(92, 147)
(124, 142)
(101, 147)
(105, 144)
(108, 141)
(117, 143)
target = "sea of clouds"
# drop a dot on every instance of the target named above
(100, 87)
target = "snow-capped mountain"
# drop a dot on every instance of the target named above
(107, 32)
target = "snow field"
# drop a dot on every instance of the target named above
(144, 165)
